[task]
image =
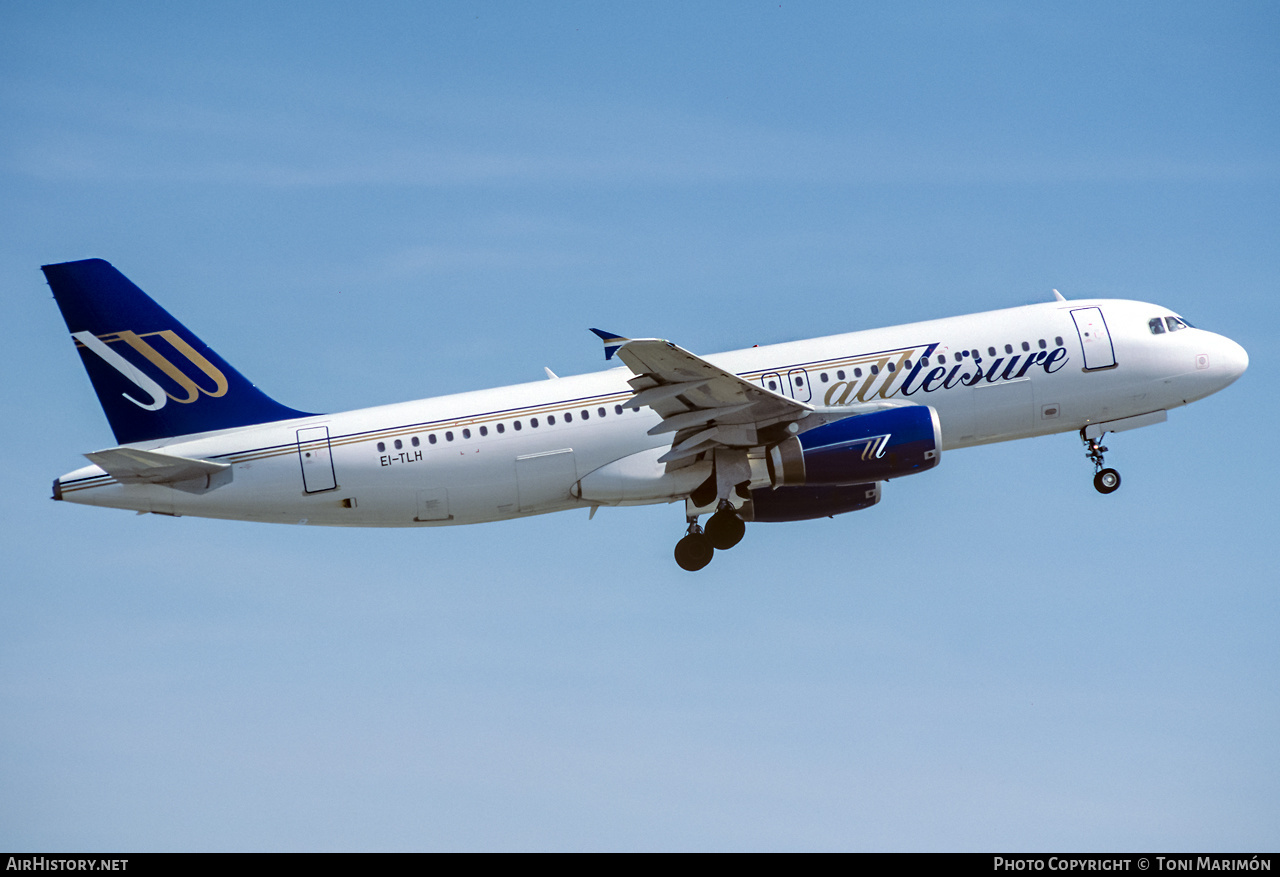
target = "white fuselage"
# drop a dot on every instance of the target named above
(479, 456)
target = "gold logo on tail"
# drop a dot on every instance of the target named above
(159, 396)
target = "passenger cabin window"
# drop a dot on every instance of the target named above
(414, 441)
(1008, 348)
(448, 436)
(600, 411)
(382, 446)
(466, 433)
(431, 439)
(617, 409)
(484, 430)
(399, 444)
(501, 429)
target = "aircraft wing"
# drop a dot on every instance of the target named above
(135, 466)
(702, 404)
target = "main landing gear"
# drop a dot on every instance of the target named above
(730, 478)
(1104, 480)
(695, 550)
(724, 530)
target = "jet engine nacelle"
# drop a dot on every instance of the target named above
(805, 503)
(859, 449)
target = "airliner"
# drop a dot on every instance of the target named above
(784, 432)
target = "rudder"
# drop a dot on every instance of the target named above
(154, 377)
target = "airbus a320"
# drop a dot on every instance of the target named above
(785, 432)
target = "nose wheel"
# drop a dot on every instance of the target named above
(1104, 480)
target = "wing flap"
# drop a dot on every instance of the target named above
(702, 385)
(705, 406)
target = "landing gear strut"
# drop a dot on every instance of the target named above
(730, 476)
(1104, 480)
(695, 550)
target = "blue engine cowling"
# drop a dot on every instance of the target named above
(771, 505)
(859, 449)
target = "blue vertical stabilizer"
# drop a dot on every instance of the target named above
(154, 378)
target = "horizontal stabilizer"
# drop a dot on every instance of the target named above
(135, 466)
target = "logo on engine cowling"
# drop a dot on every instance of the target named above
(875, 446)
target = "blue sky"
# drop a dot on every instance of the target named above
(364, 206)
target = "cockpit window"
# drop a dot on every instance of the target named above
(1174, 324)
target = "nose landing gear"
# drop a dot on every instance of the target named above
(1104, 480)
(1107, 481)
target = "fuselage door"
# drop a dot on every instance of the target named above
(317, 462)
(1095, 340)
(795, 384)
(798, 383)
(773, 381)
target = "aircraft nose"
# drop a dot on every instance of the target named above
(1237, 358)
(1232, 359)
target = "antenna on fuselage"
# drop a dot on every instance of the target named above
(1058, 295)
